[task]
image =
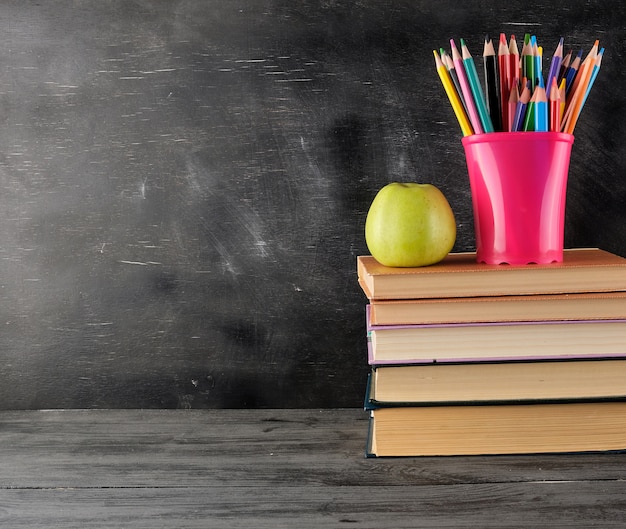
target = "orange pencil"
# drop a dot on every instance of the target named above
(579, 89)
(587, 63)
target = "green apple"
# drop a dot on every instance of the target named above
(410, 224)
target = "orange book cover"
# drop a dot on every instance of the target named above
(549, 307)
(459, 275)
(497, 429)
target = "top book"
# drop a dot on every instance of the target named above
(460, 275)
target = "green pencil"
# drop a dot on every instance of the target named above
(528, 61)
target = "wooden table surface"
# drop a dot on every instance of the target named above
(277, 469)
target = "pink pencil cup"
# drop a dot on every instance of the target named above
(519, 183)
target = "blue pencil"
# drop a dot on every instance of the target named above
(540, 102)
(572, 71)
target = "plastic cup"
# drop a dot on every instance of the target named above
(519, 183)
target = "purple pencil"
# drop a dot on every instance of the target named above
(520, 111)
(555, 65)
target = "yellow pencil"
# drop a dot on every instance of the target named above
(562, 98)
(453, 96)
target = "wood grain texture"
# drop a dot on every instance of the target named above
(277, 469)
(184, 184)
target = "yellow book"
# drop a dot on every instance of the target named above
(502, 382)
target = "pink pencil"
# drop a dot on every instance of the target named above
(465, 88)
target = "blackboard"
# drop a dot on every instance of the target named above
(184, 184)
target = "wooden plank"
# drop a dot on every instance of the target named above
(276, 468)
(159, 448)
(531, 504)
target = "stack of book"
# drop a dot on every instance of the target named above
(468, 358)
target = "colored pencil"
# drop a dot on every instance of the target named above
(499, 101)
(477, 91)
(465, 88)
(594, 73)
(453, 96)
(505, 78)
(520, 111)
(564, 66)
(512, 105)
(514, 60)
(555, 65)
(555, 107)
(562, 98)
(540, 106)
(529, 118)
(583, 68)
(571, 72)
(449, 64)
(528, 61)
(579, 89)
(492, 84)
(537, 57)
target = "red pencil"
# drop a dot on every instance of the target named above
(555, 107)
(515, 66)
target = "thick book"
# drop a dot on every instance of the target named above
(497, 429)
(500, 382)
(459, 275)
(456, 342)
(587, 306)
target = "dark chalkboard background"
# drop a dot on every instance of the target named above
(183, 185)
